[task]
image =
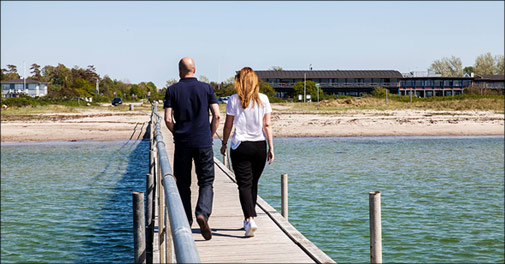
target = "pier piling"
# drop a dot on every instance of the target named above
(284, 195)
(139, 242)
(375, 227)
(149, 217)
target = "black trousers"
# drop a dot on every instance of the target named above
(248, 162)
(204, 167)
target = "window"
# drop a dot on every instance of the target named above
(6, 86)
(457, 82)
(419, 83)
(32, 86)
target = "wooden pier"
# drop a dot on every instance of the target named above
(275, 241)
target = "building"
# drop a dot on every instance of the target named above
(339, 82)
(13, 88)
(359, 82)
(434, 86)
(496, 82)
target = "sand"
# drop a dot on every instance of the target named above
(95, 125)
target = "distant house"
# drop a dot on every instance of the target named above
(13, 88)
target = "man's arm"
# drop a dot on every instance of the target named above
(169, 121)
(216, 117)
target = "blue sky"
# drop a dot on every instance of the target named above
(143, 41)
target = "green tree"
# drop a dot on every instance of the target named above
(448, 67)
(35, 70)
(468, 70)
(267, 89)
(11, 73)
(309, 89)
(170, 82)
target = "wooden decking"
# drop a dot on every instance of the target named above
(275, 241)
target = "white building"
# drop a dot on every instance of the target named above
(33, 88)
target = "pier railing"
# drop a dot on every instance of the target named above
(175, 240)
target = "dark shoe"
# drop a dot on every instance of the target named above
(204, 227)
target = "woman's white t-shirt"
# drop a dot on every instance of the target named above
(248, 122)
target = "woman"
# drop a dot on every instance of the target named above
(249, 111)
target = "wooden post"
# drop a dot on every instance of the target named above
(131, 107)
(375, 227)
(284, 195)
(149, 218)
(387, 96)
(139, 239)
(410, 95)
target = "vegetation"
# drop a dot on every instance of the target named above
(485, 64)
(66, 84)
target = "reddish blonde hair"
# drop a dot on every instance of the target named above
(247, 86)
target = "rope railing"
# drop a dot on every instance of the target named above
(178, 232)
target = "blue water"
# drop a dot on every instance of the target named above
(70, 201)
(442, 197)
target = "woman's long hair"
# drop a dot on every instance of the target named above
(247, 85)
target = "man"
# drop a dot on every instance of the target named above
(187, 105)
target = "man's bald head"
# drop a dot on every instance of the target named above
(186, 67)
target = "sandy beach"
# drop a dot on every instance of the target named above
(110, 125)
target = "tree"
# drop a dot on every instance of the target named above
(35, 70)
(309, 89)
(500, 60)
(276, 68)
(203, 78)
(170, 82)
(468, 70)
(485, 64)
(9, 75)
(448, 67)
(266, 88)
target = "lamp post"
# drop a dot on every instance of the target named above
(304, 86)
(97, 86)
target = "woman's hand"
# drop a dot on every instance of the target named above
(271, 156)
(223, 150)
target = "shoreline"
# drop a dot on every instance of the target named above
(100, 126)
(61, 142)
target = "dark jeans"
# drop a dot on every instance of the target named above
(248, 162)
(204, 167)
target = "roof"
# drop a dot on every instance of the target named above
(497, 77)
(329, 74)
(22, 81)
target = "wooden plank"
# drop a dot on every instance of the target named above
(275, 241)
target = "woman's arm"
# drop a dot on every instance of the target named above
(228, 125)
(267, 127)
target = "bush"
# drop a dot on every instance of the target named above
(379, 92)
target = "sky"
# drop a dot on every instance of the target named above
(137, 41)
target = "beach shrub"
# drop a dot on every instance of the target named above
(379, 91)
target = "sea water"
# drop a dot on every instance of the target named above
(442, 198)
(68, 202)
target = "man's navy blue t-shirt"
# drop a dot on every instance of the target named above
(190, 101)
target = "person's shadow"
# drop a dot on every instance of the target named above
(216, 232)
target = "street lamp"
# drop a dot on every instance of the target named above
(97, 86)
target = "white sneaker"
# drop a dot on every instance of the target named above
(250, 228)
